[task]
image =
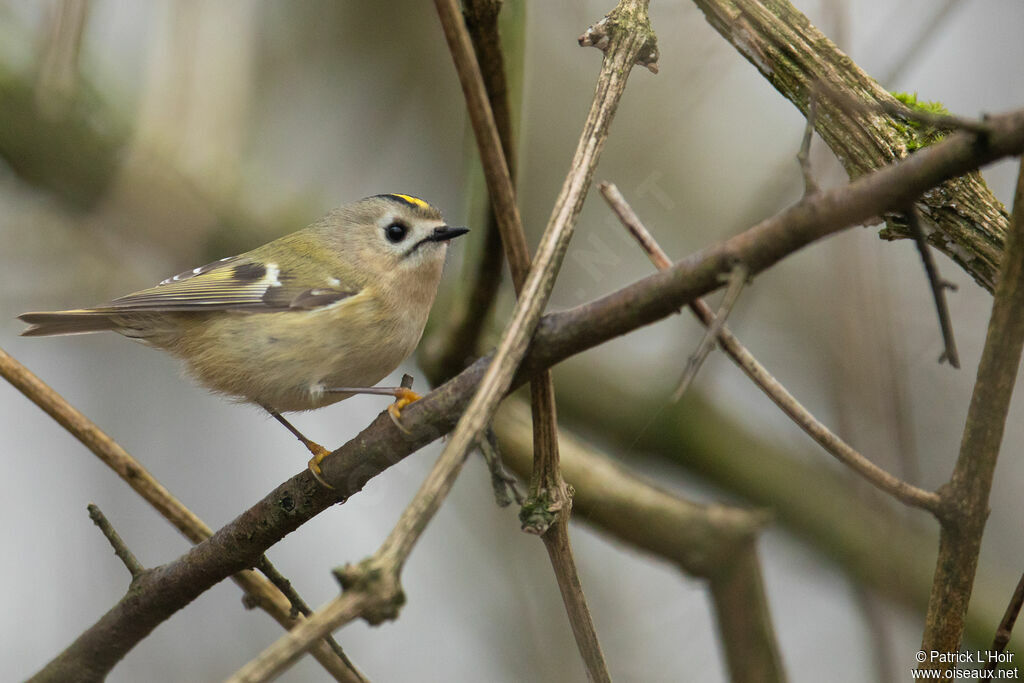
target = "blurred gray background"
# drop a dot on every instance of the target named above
(282, 111)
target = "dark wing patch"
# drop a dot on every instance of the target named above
(247, 272)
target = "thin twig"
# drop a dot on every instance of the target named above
(122, 551)
(259, 591)
(831, 442)
(737, 278)
(546, 475)
(938, 286)
(965, 496)
(1005, 629)
(499, 183)
(556, 542)
(632, 223)
(547, 511)
(459, 342)
(504, 483)
(803, 157)
(299, 606)
(496, 168)
(550, 499)
(559, 336)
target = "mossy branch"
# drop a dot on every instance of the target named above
(801, 63)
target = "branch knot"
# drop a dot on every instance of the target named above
(628, 19)
(540, 511)
(378, 581)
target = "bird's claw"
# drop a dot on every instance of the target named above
(403, 397)
(319, 453)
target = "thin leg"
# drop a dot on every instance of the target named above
(318, 451)
(378, 391)
(403, 397)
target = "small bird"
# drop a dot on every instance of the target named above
(299, 323)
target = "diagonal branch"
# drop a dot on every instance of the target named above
(259, 591)
(240, 543)
(826, 438)
(737, 279)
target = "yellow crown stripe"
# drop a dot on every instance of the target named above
(415, 201)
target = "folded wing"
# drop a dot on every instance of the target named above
(236, 283)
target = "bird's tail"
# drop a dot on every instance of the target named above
(66, 322)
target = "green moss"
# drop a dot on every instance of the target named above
(536, 514)
(918, 134)
(922, 105)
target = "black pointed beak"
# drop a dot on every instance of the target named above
(444, 233)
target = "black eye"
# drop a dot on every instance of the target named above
(396, 232)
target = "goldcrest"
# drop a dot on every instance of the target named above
(339, 304)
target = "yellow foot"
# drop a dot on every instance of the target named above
(403, 397)
(319, 453)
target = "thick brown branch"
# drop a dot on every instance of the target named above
(239, 544)
(966, 495)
